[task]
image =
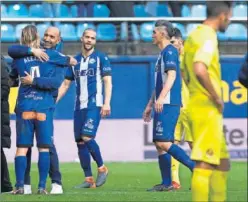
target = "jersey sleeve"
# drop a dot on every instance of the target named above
(205, 52)
(69, 75)
(19, 51)
(105, 66)
(170, 59)
(49, 83)
(58, 58)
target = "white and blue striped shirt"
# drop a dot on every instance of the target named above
(88, 74)
(168, 60)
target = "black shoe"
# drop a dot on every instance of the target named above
(42, 191)
(160, 187)
(6, 189)
(18, 191)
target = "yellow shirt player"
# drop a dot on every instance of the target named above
(205, 107)
(182, 127)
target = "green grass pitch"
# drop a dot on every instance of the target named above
(128, 182)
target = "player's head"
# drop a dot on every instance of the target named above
(88, 39)
(51, 37)
(177, 39)
(221, 11)
(163, 30)
(30, 36)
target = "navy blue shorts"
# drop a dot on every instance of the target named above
(86, 122)
(38, 123)
(164, 123)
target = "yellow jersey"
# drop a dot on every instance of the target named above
(202, 46)
(185, 90)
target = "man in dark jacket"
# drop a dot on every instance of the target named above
(5, 126)
(243, 73)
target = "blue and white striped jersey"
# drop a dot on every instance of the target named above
(168, 60)
(88, 74)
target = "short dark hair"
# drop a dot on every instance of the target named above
(168, 26)
(177, 33)
(215, 8)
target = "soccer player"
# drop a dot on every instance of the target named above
(182, 126)
(93, 69)
(167, 98)
(205, 107)
(35, 106)
(51, 40)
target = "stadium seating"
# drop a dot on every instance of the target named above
(4, 12)
(135, 32)
(7, 33)
(236, 32)
(106, 32)
(82, 27)
(198, 11)
(181, 28)
(190, 27)
(17, 10)
(68, 31)
(240, 10)
(101, 10)
(139, 11)
(146, 31)
(163, 10)
(124, 31)
(18, 30)
(185, 12)
(36, 11)
(74, 11)
(63, 12)
(42, 28)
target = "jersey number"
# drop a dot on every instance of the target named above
(35, 71)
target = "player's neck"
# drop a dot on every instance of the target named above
(211, 23)
(163, 44)
(86, 53)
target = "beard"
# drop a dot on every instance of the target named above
(88, 49)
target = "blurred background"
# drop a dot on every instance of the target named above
(124, 32)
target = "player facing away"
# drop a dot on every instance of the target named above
(92, 71)
(166, 99)
(51, 40)
(205, 107)
(35, 106)
(182, 127)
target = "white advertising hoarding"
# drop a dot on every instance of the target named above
(129, 140)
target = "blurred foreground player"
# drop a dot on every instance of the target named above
(166, 99)
(182, 127)
(5, 127)
(92, 71)
(205, 107)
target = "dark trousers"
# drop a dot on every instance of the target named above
(54, 172)
(5, 180)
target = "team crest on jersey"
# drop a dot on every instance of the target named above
(92, 61)
(159, 128)
(89, 124)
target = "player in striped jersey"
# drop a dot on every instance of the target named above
(93, 69)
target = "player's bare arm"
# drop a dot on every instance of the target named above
(166, 88)
(202, 75)
(63, 89)
(106, 109)
(148, 110)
